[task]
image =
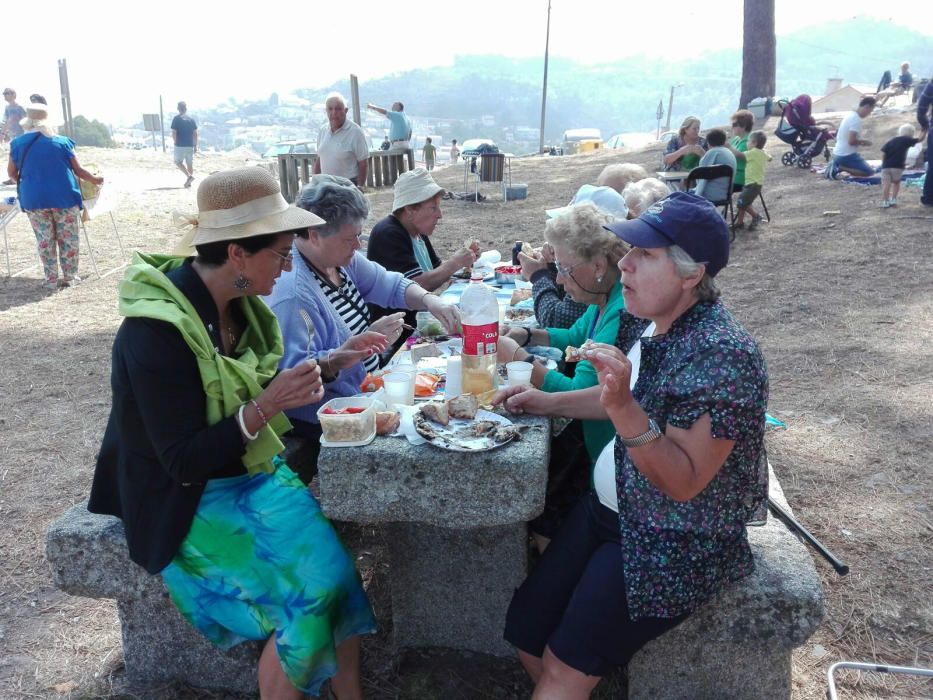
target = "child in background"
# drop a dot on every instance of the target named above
(755, 161)
(428, 153)
(895, 158)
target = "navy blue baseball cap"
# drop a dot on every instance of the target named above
(682, 219)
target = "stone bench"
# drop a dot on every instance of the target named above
(450, 587)
(739, 644)
(89, 557)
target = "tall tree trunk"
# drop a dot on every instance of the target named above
(759, 49)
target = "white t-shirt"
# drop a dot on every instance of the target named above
(853, 122)
(604, 472)
(340, 151)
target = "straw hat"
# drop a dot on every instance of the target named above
(414, 187)
(241, 203)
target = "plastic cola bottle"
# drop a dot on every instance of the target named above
(479, 313)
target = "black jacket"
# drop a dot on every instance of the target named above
(158, 451)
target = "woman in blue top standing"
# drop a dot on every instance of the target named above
(45, 169)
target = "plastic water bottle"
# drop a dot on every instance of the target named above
(479, 313)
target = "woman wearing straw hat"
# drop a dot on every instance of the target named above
(401, 241)
(44, 166)
(332, 282)
(189, 457)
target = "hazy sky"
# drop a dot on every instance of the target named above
(122, 56)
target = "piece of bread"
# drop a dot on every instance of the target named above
(572, 354)
(436, 411)
(470, 242)
(520, 295)
(463, 406)
(420, 350)
(387, 422)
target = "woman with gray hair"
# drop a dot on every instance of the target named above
(586, 255)
(662, 530)
(332, 283)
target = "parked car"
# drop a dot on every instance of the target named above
(615, 142)
(283, 147)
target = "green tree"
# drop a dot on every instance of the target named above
(92, 133)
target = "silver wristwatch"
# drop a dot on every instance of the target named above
(650, 435)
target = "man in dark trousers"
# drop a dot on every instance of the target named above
(923, 116)
(185, 135)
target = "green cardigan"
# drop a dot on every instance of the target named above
(596, 433)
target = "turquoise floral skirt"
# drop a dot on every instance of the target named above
(261, 559)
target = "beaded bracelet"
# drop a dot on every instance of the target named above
(241, 421)
(262, 416)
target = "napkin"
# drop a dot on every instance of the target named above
(406, 426)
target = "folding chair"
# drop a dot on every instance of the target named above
(491, 168)
(717, 172)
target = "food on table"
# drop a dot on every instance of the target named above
(426, 384)
(572, 354)
(470, 242)
(428, 326)
(372, 381)
(476, 435)
(387, 422)
(520, 295)
(346, 411)
(513, 314)
(436, 411)
(421, 350)
(347, 420)
(463, 406)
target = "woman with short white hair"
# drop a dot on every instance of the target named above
(663, 530)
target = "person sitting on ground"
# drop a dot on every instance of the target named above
(401, 242)
(905, 79)
(586, 257)
(719, 189)
(742, 123)
(640, 195)
(663, 529)
(894, 162)
(619, 175)
(755, 161)
(554, 308)
(332, 281)
(846, 156)
(189, 460)
(684, 151)
(399, 124)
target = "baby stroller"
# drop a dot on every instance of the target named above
(799, 130)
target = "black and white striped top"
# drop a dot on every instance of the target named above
(350, 306)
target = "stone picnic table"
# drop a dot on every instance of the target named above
(455, 526)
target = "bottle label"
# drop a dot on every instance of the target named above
(481, 340)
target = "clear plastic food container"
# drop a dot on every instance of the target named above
(340, 426)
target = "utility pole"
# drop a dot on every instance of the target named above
(162, 123)
(670, 106)
(547, 41)
(660, 114)
(66, 97)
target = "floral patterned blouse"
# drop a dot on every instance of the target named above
(687, 162)
(676, 554)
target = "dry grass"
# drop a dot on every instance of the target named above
(840, 304)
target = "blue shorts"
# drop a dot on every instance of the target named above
(853, 161)
(184, 154)
(574, 600)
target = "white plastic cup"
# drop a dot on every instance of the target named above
(454, 384)
(399, 388)
(519, 373)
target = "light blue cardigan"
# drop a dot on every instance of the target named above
(298, 288)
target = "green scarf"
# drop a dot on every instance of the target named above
(228, 382)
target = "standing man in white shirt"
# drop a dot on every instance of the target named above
(846, 157)
(342, 146)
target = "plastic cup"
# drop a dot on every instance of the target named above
(454, 383)
(519, 373)
(399, 388)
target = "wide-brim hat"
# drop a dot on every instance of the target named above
(242, 203)
(605, 198)
(37, 110)
(683, 219)
(414, 187)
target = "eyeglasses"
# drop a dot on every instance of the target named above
(568, 271)
(285, 261)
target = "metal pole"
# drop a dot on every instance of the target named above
(547, 41)
(660, 115)
(793, 524)
(355, 96)
(670, 105)
(162, 123)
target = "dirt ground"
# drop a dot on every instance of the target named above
(836, 290)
